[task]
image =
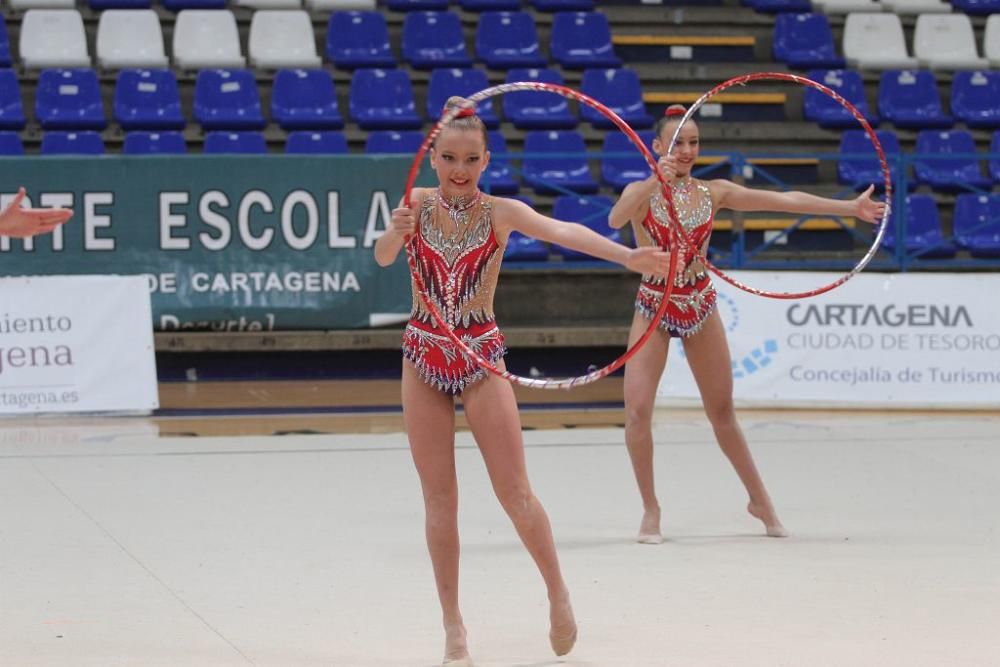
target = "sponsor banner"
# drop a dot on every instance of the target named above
(76, 344)
(879, 340)
(226, 243)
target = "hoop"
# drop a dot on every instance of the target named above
(569, 93)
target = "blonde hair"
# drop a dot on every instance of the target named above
(470, 122)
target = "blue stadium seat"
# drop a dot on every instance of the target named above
(417, 5)
(490, 5)
(234, 142)
(528, 109)
(975, 98)
(805, 41)
(305, 99)
(69, 99)
(995, 162)
(434, 39)
(86, 142)
(556, 174)
(5, 59)
(227, 99)
(581, 40)
(101, 5)
(618, 89)
(521, 248)
(591, 212)
(178, 5)
(11, 109)
(779, 6)
(620, 171)
(976, 223)
(859, 174)
(464, 82)
(154, 143)
(148, 99)
(11, 144)
(508, 39)
(923, 235)
(977, 7)
(392, 142)
(910, 99)
(499, 178)
(821, 108)
(383, 99)
(563, 5)
(325, 143)
(358, 39)
(954, 174)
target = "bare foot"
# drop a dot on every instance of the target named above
(562, 635)
(456, 650)
(649, 529)
(769, 518)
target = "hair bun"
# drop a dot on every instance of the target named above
(675, 110)
(466, 108)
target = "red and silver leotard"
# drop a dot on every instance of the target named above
(458, 259)
(693, 297)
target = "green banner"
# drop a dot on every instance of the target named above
(228, 243)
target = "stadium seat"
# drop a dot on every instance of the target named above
(536, 109)
(951, 175)
(101, 5)
(53, 38)
(977, 7)
(976, 223)
(490, 5)
(805, 40)
(946, 41)
(434, 39)
(148, 100)
(86, 142)
(875, 41)
(154, 143)
(591, 212)
(995, 162)
(498, 178)
(859, 174)
(847, 6)
(464, 82)
(206, 38)
(69, 99)
(383, 99)
(392, 142)
(11, 107)
(779, 6)
(521, 248)
(282, 38)
(556, 174)
(618, 89)
(340, 5)
(130, 38)
(508, 39)
(358, 39)
(5, 59)
(619, 171)
(828, 112)
(11, 144)
(923, 237)
(305, 99)
(417, 5)
(991, 40)
(905, 7)
(563, 5)
(312, 143)
(910, 99)
(181, 5)
(581, 40)
(975, 98)
(235, 142)
(227, 99)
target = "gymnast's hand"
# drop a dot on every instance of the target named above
(648, 261)
(24, 222)
(868, 210)
(668, 168)
(403, 223)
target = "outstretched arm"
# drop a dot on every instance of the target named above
(24, 222)
(521, 217)
(738, 198)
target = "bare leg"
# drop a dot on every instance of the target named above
(429, 416)
(642, 376)
(492, 413)
(708, 355)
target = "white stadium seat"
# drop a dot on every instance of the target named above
(130, 38)
(946, 41)
(53, 38)
(991, 40)
(206, 38)
(282, 38)
(847, 6)
(875, 41)
(917, 6)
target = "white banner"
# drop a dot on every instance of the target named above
(880, 340)
(76, 344)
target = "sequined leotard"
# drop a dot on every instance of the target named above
(458, 259)
(693, 297)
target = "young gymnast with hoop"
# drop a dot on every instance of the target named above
(22, 223)
(691, 314)
(459, 247)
